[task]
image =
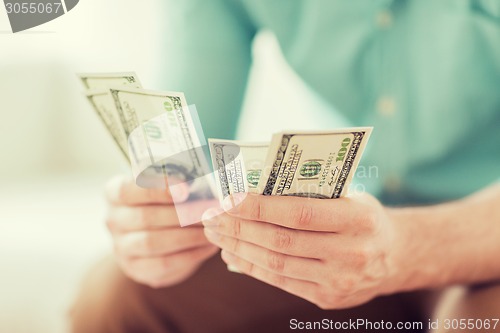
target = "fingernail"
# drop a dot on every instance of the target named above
(179, 192)
(232, 202)
(233, 269)
(212, 235)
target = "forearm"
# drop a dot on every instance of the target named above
(452, 243)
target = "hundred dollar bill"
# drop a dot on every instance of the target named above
(97, 85)
(313, 164)
(162, 136)
(237, 165)
(105, 107)
(108, 80)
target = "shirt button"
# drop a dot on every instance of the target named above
(392, 184)
(383, 19)
(386, 106)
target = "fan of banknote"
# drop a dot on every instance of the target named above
(160, 135)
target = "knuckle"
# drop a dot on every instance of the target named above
(281, 239)
(249, 269)
(359, 259)
(235, 227)
(156, 195)
(345, 287)
(235, 246)
(145, 216)
(368, 221)
(278, 280)
(276, 262)
(301, 215)
(363, 256)
(255, 209)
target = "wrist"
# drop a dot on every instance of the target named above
(446, 244)
(415, 263)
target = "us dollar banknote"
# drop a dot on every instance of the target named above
(97, 91)
(313, 164)
(107, 80)
(104, 105)
(237, 165)
(162, 135)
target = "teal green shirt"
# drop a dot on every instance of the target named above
(424, 73)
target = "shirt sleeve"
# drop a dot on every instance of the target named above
(207, 55)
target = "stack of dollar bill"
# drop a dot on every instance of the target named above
(159, 133)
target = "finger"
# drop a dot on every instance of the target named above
(190, 213)
(300, 288)
(155, 270)
(159, 242)
(122, 190)
(295, 212)
(132, 218)
(271, 236)
(279, 263)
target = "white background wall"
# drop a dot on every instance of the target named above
(55, 155)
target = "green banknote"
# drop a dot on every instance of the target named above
(313, 164)
(97, 91)
(237, 165)
(107, 80)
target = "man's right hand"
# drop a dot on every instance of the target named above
(150, 245)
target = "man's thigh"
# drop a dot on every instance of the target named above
(213, 300)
